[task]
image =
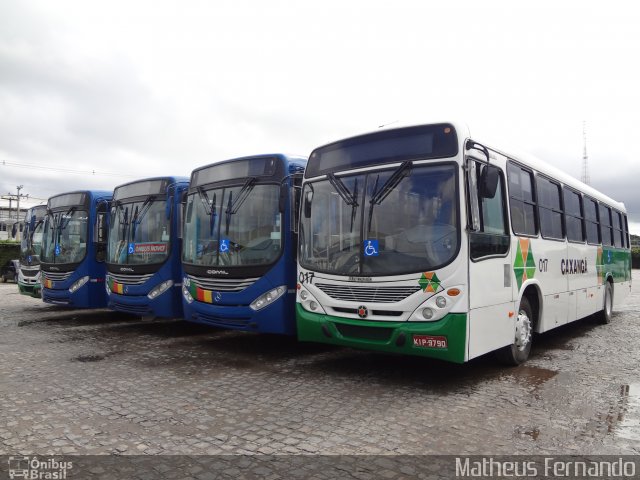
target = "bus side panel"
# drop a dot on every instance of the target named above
(580, 269)
(490, 328)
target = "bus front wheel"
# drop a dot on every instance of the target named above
(518, 351)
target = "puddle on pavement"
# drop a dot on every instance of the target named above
(89, 358)
(77, 318)
(623, 419)
(529, 376)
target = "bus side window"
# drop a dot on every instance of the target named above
(626, 232)
(492, 236)
(573, 215)
(606, 228)
(522, 201)
(618, 230)
(591, 221)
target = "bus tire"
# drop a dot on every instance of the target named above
(604, 316)
(518, 351)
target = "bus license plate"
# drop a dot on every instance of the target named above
(429, 341)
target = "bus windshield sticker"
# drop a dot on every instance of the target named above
(371, 248)
(150, 248)
(429, 282)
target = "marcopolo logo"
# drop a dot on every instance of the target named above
(33, 468)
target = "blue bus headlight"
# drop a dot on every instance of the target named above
(185, 290)
(78, 284)
(160, 289)
(268, 298)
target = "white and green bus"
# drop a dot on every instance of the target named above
(422, 241)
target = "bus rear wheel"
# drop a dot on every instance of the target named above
(518, 351)
(604, 316)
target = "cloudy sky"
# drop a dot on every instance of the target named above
(95, 94)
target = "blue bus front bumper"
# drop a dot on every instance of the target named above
(167, 304)
(279, 317)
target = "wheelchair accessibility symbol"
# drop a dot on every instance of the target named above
(224, 246)
(132, 248)
(371, 248)
(57, 250)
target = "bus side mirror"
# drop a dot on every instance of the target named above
(488, 182)
(32, 223)
(101, 229)
(307, 203)
(282, 201)
(181, 209)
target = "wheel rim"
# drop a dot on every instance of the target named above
(608, 303)
(523, 330)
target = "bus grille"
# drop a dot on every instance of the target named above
(223, 284)
(130, 279)
(222, 321)
(30, 272)
(367, 294)
(56, 277)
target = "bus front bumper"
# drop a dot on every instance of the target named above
(31, 289)
(410, 338)
(278, 318)
(166, 305)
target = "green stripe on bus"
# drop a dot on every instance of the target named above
(384, 336)
(614, 261)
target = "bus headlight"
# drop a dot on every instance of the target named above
(309, 303)
(427, 313)
(78, 284)
(160, 289)
(268, 298)
(185, 290)
(439, 305)
(107, 279)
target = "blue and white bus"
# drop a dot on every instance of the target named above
(240, 236)
(143, 254)
(74, 248)
(30, 248)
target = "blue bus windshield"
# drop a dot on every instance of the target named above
(233, 226)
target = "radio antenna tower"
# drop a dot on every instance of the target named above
(585, 159)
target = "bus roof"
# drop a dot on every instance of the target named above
(525, 159)
(293, 163)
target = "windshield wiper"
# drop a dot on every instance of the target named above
(378, 196)
(348, 198)
(139, 214)
(209, 207)
(63, 225)
(234, 205)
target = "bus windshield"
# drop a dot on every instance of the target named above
(65, 236)
(139, 232)
(233, 226)
(31, 243)
(383, 222)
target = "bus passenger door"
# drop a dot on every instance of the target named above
(490, 290)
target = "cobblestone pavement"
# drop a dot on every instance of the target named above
(99, 382)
